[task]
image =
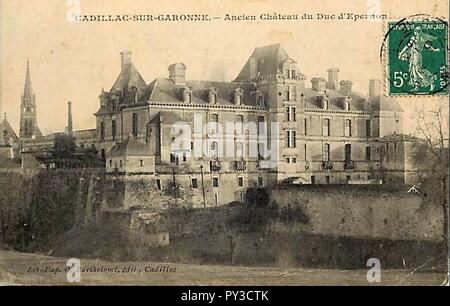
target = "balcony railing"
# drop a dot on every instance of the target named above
(327, 165)
(264, 165)
(215, 166)
(349, 165)
(240, 165)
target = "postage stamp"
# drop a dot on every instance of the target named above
(417, 56)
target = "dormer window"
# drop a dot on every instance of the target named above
(325, 103)
(289, 69)
(187, 95)
(212, 95)
(347, 103)
(134, 89)
(238, 96)
(259, 98)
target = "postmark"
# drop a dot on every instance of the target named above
(416, 52)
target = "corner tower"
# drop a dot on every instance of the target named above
(28, 122)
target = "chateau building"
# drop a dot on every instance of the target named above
(284, 129)
(327, 132)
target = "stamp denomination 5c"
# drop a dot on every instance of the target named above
(417, 57)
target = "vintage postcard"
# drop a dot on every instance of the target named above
(250, 142)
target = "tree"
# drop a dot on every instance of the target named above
(64, 147)
(432, 155)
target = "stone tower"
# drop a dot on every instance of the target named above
(28, 123)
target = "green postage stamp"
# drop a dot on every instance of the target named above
(417, 54)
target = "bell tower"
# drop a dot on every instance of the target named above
(28, 121)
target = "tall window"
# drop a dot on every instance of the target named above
(292, 93)
(214, 149)
(261, 151)
(214, 123)
(305, 127)
(305, 152)
(290, 139)
(348, 127)
(135, 124)
(368, 152)
(326, 127)
(261, 126)
(348, 152)
(240, 150)
(240, 181)
(113, 129)
(260, 182)
(215, 182)
(290, 114)
(240, 124)
(368, 128)
(174, 159)
(102, 131)
(326, 152)
(194, 183)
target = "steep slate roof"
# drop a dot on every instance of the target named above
(128, 78)
(268, 59)
(130, 147)
(165, 90)
(358, 101)
(313, 100)
(10, 134)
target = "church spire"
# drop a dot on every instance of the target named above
(28, 123)
(27, 88)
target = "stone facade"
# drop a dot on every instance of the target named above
(328, 133)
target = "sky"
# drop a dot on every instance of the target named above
(74, 61)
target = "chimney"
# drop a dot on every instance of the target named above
(177, 73)
(333, 78)
(374, 89)
(69, 119)
(318, 84)
(346, 87)
(125, 59)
